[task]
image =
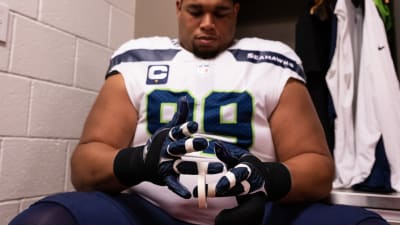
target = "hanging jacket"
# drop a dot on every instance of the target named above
(366, 95)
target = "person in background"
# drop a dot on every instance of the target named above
(168, 103)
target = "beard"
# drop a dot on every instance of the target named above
(205, 53)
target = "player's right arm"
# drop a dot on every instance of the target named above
(109, 127)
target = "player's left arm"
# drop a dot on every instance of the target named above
(301, 145)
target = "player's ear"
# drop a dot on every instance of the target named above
(178, 5)
(236, 8)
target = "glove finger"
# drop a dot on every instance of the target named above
(187, 145)
(184, 130)
(224, 154)
(182, 112)
(174, 185)
(152, 153)
(190, 167)
(215, 167)
(229, 153)
(249, 211)
(240, 189)
(232, 178)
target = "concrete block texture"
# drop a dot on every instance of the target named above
(8, 211)
(5, 46)
(92, 64)
(32, 167)
(42, 52)
(25, 7)
(88, 19)
(14, 105)
(58, 111)
(51, 67)
(122, 28)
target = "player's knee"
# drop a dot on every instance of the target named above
(44, 214)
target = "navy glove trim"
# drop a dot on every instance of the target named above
(127, 164)
(276, 175)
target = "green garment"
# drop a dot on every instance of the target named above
(385, 14)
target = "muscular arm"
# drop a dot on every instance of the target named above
(109, 127)
(300, 144)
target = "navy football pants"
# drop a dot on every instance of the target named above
(96, 208)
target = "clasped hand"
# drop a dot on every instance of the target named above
(162, 152)
(162, 155)
(242, 176)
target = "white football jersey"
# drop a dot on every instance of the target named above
(231, 97)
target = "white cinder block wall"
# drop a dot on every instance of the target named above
(51, 68)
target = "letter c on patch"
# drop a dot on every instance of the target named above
(157, 74)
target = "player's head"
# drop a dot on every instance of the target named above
(207, 27)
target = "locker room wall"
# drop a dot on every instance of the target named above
(275, 20)
(151, 20)
(52, 65)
